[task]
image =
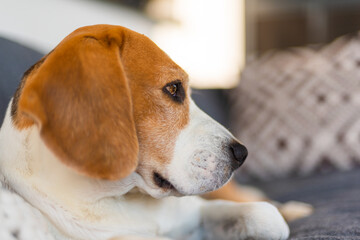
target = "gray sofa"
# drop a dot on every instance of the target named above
(335, 196)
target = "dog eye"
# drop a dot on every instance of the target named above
(175, 91)
(172, 89)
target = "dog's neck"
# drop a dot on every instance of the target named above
(29, 168)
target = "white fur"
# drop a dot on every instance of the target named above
(201, 160)
(83, 208)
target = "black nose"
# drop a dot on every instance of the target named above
(239, 153)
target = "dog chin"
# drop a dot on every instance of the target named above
(159, 187)
(158, 193)
(180, 191)
(203, 187)
(199, 181)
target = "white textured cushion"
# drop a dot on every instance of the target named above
(298, 111)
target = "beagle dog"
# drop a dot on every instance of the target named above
(103, 138)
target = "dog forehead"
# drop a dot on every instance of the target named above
(142, 59)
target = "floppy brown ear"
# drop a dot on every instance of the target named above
(80, 99)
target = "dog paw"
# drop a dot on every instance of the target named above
(264, 221)
(258, 220)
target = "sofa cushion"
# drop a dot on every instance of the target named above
(297, 110)
(14, 61)
(335, 198)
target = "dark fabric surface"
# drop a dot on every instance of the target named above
(336, 198)
(14, 61)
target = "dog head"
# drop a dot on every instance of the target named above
(108, 103)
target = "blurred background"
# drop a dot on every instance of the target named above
(211, 39)
(205, 37)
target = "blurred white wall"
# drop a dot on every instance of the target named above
(42, 24)
(206, 39)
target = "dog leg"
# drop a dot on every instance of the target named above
(233, 192)
(293, 210)
(229, 220)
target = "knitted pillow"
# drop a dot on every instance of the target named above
(298, 111)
